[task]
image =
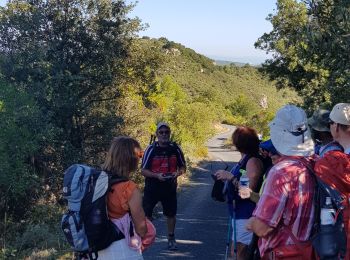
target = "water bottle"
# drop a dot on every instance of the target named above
(327, 213)
(326, 241)
(244, 180)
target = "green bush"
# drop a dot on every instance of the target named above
(260, 122)
(191, 124)
(235, 120)
(39, 236)
(241, 106)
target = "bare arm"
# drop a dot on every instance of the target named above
(258, 227)
(137, 213)
(254, 171)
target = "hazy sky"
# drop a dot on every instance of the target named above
(219, 29)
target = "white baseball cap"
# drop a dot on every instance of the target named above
(161, 124)
(340, 114)
(290, 133)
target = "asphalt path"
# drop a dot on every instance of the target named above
(202, 224)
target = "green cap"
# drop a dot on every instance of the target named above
(319, 120)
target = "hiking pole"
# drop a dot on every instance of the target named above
(234, 229)
(152, 139)
(228, 236)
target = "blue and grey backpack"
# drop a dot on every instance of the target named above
(86, 225)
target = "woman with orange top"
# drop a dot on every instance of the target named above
(124, 202)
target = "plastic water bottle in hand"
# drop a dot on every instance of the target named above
(328, 213)
(244, 180)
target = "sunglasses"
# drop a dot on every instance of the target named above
(330, 122)
(164, 132)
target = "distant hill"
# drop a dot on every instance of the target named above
(201, 78)
(204, 81)
(225, 62)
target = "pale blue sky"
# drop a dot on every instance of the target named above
(219, 29)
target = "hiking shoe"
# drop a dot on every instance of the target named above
(172, 243)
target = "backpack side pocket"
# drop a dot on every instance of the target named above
(74, 231)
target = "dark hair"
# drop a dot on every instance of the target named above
(320, 135)
(122, 158)
(345, 128)
(246, 140)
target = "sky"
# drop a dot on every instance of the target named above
(218, 29)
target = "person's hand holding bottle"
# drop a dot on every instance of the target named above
(244, 192)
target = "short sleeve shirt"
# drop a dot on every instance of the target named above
(287, 201)
(163, 159)
(332, 146)
(118, 198)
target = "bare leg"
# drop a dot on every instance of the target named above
(240, 251)
(171, 225)
(171, 236)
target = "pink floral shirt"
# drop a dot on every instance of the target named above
(287, 200)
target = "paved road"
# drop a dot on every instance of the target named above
(201, 229)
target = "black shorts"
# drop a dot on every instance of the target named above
(156, 191)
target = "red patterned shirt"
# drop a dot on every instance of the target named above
(287, 200)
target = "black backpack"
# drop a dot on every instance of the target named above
(224, 191)
(217, 192)
(86, 225)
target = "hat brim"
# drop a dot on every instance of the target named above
(317, 126)
(160, 125)
(288, 144)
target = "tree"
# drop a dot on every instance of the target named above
(309, 43)
(21, 133)
(68, 56)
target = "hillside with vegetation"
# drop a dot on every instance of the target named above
(73, 74)
(237, 94)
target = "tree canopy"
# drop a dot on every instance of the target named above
(310, 43)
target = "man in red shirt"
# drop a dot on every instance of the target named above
(162, 163)
(285, 211)
(334, 167)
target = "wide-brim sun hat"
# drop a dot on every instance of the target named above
(319, 120)
(290, 133)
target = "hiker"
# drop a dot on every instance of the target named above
(285, 211)
(162, 163)
(321, 133)
(251, 165)
(334, 167)
(268, 151)
(340, 125)
(123, 199)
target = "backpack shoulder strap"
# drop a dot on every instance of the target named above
(173, 146)
(243, 161)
